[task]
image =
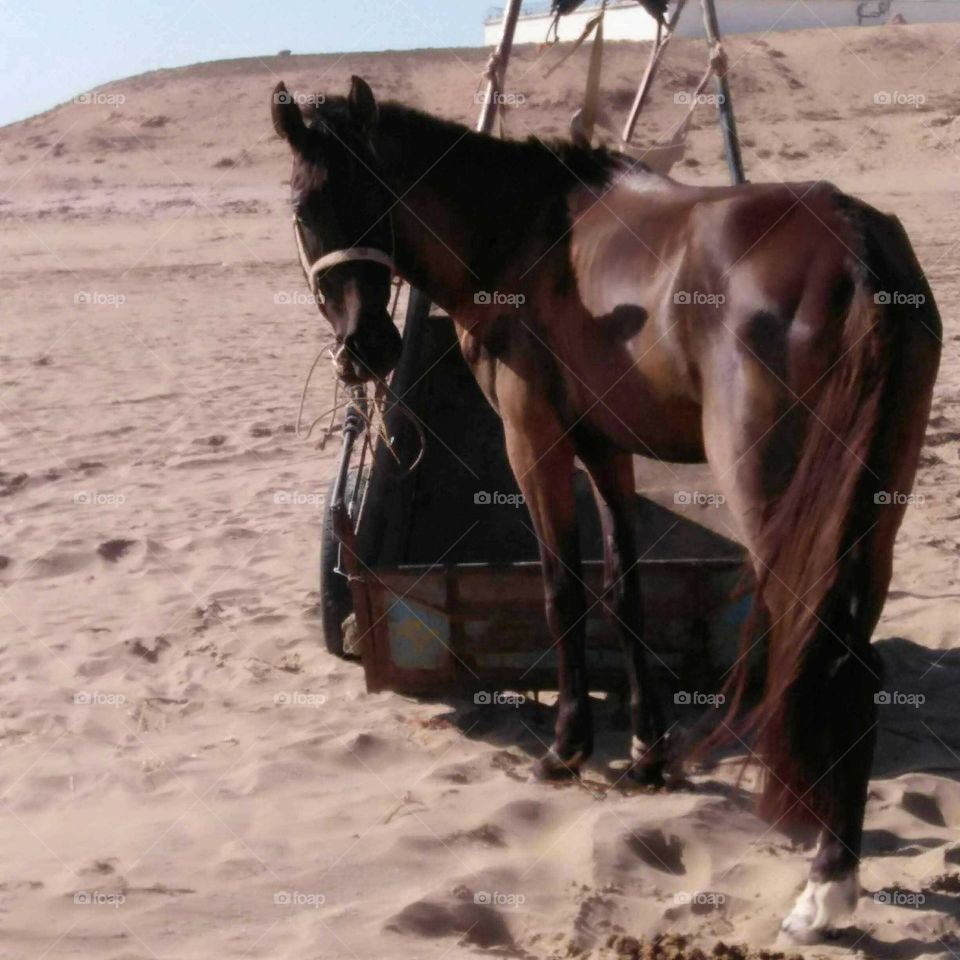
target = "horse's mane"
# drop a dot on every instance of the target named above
(538, 163)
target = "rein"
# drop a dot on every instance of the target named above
(374, 420)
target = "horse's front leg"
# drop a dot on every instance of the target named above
(541, 456)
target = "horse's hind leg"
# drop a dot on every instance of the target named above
(612, 475)
(833, 887)
(843, 675)
(848, 690)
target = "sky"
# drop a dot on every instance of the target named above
(52, 50)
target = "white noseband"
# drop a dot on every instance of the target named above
(312, 271)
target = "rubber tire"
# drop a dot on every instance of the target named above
(336, 601)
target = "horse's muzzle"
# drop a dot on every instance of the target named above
(371, 353)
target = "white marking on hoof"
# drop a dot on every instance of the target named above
(817, 909)
(638, 749)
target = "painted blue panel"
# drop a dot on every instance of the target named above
(419, 637)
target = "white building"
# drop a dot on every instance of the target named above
(627, 20)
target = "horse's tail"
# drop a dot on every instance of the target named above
(825, 546)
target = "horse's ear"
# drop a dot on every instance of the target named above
(287, 118)
(362, 104)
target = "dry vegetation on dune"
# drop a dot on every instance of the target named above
(183, 771)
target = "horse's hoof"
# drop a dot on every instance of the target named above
(795, 933)
(647, 767)
(813, 917)
(649, 774)
(551, 767)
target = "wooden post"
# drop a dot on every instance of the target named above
(728, 122)
(418, 306)
(663, 38)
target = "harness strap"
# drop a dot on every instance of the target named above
(312, 271)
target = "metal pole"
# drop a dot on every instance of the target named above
(728, 123)
(353, 424)
(497, 69)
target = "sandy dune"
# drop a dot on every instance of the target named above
(184, 772)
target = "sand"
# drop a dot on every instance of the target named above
(184, 771)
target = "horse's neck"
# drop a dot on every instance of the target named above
(431, 245)
(456, 206)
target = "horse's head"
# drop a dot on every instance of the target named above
(342, 224)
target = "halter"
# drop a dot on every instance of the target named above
(313, 270)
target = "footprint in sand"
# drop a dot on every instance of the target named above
(459, 773)
(923, 807)
(669, 855)
(478, 923)
(113, 550)
(937, 804)
(368, 751)
(485, 835)
(659, 850)
(57, 564)
(523, 817)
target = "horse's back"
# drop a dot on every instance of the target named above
(695, 285)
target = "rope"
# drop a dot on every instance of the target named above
(337, 405)
(373, 412)
(717, 66)
(588, 28)
(491, 83)
(591, 94)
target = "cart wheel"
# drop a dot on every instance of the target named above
(336, 603)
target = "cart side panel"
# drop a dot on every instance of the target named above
(476, 628)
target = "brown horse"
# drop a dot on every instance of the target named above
(782, 332)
